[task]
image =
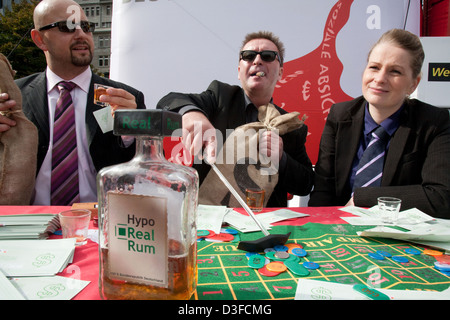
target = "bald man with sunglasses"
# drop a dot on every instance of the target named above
(65, 36)
(223, 106)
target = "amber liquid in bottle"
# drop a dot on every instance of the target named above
(181, 273)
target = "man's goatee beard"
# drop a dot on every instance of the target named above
(82, 61)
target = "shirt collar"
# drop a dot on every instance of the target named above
(249, 102)
(390, 124)
(83, 80)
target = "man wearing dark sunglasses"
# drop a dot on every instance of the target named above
(266, 55)
(65, 36)
(223, 106)
(68, 26)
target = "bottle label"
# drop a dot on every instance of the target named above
(138, 250)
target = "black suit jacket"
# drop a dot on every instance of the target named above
(224, 106)
(417, 165)
(105, 149)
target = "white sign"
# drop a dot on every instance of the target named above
(182, 45)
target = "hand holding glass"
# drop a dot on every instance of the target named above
(100, 89)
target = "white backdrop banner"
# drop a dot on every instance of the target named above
(159, 46)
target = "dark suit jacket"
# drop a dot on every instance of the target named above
(105, 149)
(417, 165)
(224, 106)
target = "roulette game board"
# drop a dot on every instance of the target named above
(341, 255)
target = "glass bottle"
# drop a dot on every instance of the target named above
(147, 215)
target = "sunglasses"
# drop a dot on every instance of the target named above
(266, 55)
(70, 27)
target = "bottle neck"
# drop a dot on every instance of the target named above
(149, 148)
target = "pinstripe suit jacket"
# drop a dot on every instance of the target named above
(105, 149)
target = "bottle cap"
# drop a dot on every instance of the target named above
(147, 122)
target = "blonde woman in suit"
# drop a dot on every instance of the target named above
(417, 156)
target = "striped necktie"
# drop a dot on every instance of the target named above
(370, 167)
(64, 184)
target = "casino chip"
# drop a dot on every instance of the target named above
(226, 235)
(299, 252)
(376, 256)
(384, 253)
(220, 237)
(256, 261)
(296, 268)
(432, 252)
(283, 258)
(369, 292)
(281, 248)
(400, 259)
(281, 255)
(443, 258)
(276, 266)
(249, 254)
(412, 251)
(442, 266)
(310, 265)
(293, 246)
(263, 271)
(228, 230)
(202, 233)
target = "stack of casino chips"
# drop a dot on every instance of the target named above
(443, 264)
(225, 235)
(278, 259)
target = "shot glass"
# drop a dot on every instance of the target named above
(255, 199)
(75, 224)
(100, 89)
(389, 208)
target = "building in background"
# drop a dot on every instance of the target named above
(100, 12)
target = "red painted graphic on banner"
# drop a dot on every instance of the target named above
(311, 84)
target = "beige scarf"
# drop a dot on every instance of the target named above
(241, 163)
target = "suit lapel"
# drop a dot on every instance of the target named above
(91, 123)
(349, 133)
(38, 104)
(396, 149)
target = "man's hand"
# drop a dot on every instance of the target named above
(118, 99)
(199, 136)
(5, 106)
(271, 145)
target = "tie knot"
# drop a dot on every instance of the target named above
(381, 134)
(66, 85)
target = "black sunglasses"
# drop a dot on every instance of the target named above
(70, 27)
(266, 55)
